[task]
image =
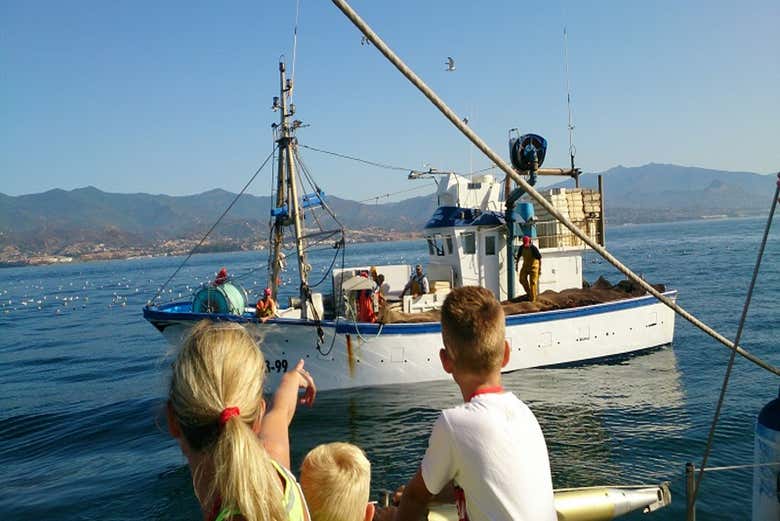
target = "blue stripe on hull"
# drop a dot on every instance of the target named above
(606, 360)
(512, 320)
(176, 312)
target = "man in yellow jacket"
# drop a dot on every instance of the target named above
(532, 266)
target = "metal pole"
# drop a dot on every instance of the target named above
(510, 253)
(690, 484)
(500, 163)
(602, 216)
(276, 263)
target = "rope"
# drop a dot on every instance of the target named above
(361, 337)
(499, 161)
(335, 304)
(336, 256)
(730, 365)
(344, 156)
(389, 167)
(381, 196)
(192, 251)
(323, 203)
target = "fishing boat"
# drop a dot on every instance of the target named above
(348, 340)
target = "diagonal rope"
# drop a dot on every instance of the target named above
(748, 297)
(192, 251)
(344, 156)
(536, 196)
(390, 194)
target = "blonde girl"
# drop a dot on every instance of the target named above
(238, 454)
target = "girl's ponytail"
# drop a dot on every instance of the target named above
(244, 476)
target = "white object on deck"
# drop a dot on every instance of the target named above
(589, 504)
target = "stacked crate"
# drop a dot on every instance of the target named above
(548, 229)
(576, 215)
(581, 206)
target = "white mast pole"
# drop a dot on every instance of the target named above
(287, 191)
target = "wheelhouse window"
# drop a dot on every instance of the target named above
(436, 246)
(490, 245)
(448, 240)
(468, 243)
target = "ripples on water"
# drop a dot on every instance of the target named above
(84, 376)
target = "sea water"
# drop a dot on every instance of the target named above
(83, 379)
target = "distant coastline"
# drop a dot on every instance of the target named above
(88, 224)
(100, 252)
(177, 248)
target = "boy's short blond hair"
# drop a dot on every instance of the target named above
(473, 329)
(335, 478)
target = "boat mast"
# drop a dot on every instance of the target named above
(287, 210)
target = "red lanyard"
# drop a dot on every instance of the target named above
(486, 390)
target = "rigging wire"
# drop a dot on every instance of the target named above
(313, 187)
(748, 297)
(192, 251)
(388, 167)
(323, 204)
(390, 194)
(344, 156)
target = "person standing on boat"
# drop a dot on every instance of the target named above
(266, 307)
(221, 277)
(382, 289)
(532, 267)
(418, 283)
(487, 454)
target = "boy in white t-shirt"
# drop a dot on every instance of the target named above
(488, 454)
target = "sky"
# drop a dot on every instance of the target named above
(174, 97)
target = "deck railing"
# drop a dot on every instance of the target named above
(690, 482)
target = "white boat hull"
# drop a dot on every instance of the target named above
(367, 355)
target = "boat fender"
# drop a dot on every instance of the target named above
(766, 456)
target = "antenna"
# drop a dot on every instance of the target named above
(572, 148)
(295, 46)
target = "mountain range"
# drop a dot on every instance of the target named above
(60, 222)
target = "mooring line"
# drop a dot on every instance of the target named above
(748, 297)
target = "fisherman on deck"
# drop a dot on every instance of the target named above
(418, 283)
(532, 267)
(266, 306)
(382, 289)
(366, 302)
(221, 277)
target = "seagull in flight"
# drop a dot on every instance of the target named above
(450, 63)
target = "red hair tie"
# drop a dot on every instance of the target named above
(228, 413)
